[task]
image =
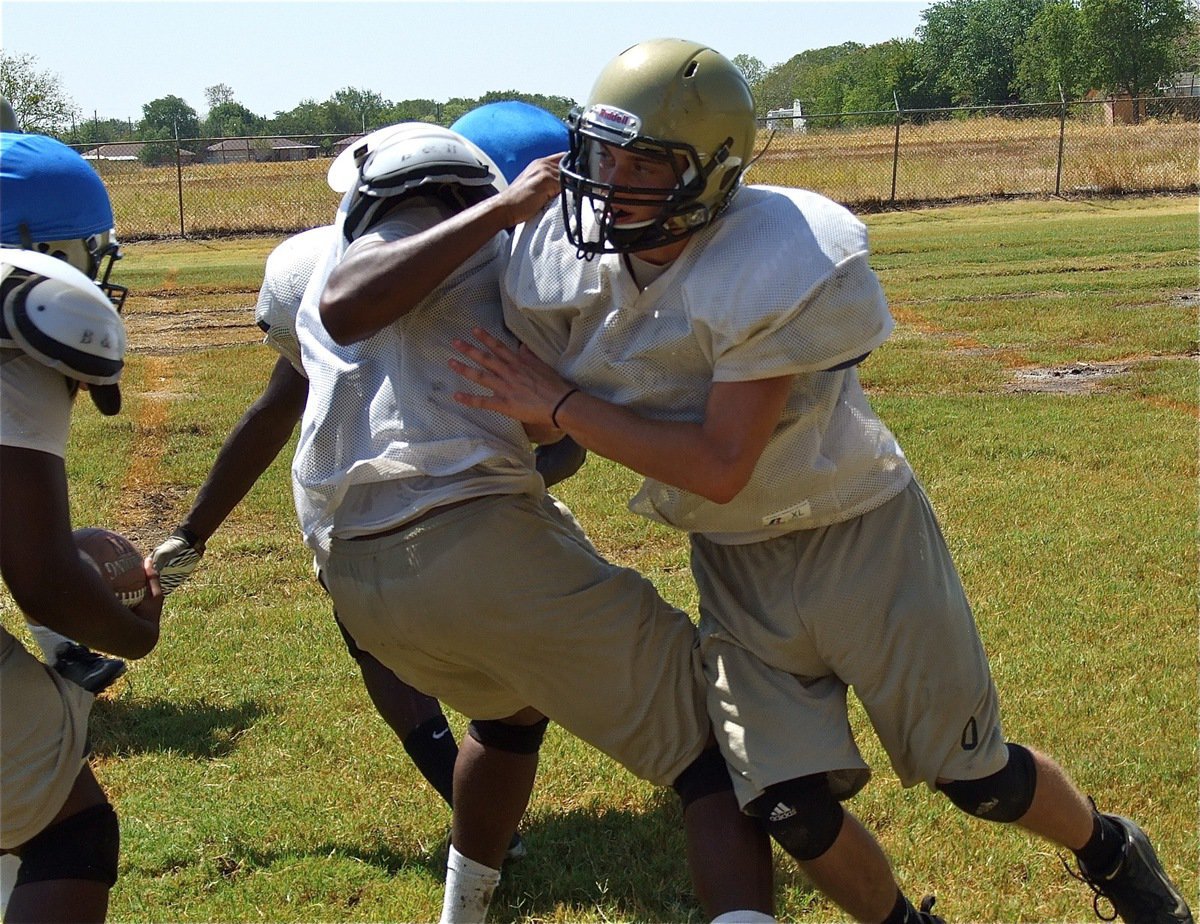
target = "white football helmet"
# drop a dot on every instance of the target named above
(415, 158)
(55, 314)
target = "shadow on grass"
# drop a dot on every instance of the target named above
(196, 729)
(602, 864)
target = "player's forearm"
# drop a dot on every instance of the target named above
(252, 445)
(676, 453)
(378, 282)
(81, 606)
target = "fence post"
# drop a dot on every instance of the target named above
(895, 148)
(179, 179)
(1062, 130)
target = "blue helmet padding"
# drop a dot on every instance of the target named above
(513, 134)
(48, 187)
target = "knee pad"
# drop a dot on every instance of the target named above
(705, 775)
(801, 815)
(504, 736)
(1004, 796)
(84, 846)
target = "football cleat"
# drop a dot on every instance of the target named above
(84, 667)
(1138, 889)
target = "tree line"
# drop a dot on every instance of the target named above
(993, 52)
(965, 52)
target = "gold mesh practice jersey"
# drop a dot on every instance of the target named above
(779, 285)
(288, 270)
(382, 439)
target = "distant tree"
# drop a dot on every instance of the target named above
(1131, 44)
(970, 45)
(101, 131)
(355, 110)
(876, 76)
(413, 110)
(555, 105)
(233, 120)
(217, 94)
(156, 152)
(168, 117)
(812, 77)
(751, 67)
(308, 118)
(455, 108)
(1050, 56)
(37, 97)
(1187, 46)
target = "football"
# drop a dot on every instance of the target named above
(116, 559)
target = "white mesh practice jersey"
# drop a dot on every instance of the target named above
(35, 404)
(382, 439)
(779, 285)
(289, 267)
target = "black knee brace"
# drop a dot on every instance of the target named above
(801, 814)
(705, 775)
(84, 846)
(1004, 796)
(504, 736)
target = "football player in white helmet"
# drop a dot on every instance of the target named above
(263, 430)
(54, 203)
(445, 557)
(706, 334)
(60, 333)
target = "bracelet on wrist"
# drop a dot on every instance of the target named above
(558, 407)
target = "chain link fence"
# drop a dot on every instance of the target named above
(217, 186)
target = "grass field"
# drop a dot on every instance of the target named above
(1043, 381)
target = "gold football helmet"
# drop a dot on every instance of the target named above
(670, 100)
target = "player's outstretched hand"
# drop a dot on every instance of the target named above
(536, 185)
(521, 385)
(175, 560)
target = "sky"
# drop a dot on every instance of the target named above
(111, 57)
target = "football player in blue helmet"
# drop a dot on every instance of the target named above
(60, 332)
(513, 134)
(55, 204)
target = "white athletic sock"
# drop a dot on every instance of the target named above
(743, 917)
(469, 888)
(49, 641)
(10, 863)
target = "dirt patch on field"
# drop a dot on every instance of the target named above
(165, 328)
(1075, 379)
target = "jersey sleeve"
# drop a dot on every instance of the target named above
(287, 273)
(545, 287)
(35, 412)
(843, 318)
(798, 296)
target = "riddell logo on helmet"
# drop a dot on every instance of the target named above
(616, 119)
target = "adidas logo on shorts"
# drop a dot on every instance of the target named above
(782, 812)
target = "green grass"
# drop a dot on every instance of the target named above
(255, 782)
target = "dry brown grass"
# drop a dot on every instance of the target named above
(988, 156)
(945, 160)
